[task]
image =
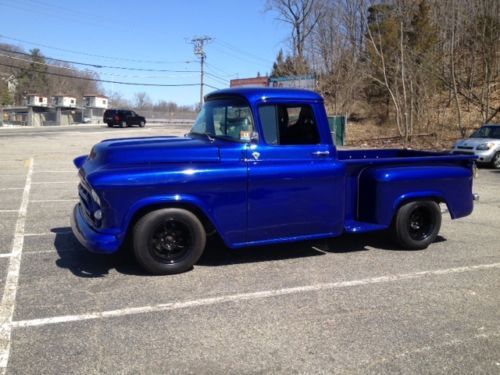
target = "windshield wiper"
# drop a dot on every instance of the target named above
(208, 135)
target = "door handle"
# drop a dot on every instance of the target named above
(321, 153)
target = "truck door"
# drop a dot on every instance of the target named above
(295, 186)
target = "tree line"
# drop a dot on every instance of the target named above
(418, 65)
(32, 73)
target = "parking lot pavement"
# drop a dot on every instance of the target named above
(354, 304)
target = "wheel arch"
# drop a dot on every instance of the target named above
(191, 204)
(435, 196)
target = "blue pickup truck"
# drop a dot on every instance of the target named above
(258, 167)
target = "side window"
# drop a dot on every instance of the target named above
(289, 125)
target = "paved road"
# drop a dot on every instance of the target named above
(7, 132)
(354, 305)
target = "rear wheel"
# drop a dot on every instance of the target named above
(142, 124)
(417, 224)
(495, 162)
(168, 241)
(110, 125)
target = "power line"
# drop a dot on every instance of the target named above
(59, 8)
(221, 70)
(80, 71)
(212, 87)
(237, 49)
(105, 81)
(48, 13)
(215, 78)
(92, 55)
(99, 66)
(240, 58)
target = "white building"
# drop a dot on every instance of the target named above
(95, 101)
(34, 100)
(63, 101)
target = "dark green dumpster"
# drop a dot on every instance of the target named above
(337, 129)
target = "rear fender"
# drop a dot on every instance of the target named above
(383, 190)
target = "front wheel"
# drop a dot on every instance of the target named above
(495, 162)
(417, 224)
(168, 241)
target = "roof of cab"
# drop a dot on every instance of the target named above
(255, 94)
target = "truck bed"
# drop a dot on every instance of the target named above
(368, 197)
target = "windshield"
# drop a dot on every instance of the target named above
(487, 132)
(226, 119)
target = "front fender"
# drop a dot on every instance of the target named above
(167, 200)
(78, 162)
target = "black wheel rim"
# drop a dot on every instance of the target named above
(170, 241)
(421, 223)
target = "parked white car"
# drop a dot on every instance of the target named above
(484, 143)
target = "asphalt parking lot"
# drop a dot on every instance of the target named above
(355, 304)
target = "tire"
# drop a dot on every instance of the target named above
(495, 162)
(168, 241)
(110, 125)
(142, 124)
(417, 224)
(123, 124)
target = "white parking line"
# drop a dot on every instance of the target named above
(245, 296)
(9, 210)
(53, 200)
(10, 289)
(47, 233)
(54, 182)
(74, 171)
(6, 255)
(12, 188)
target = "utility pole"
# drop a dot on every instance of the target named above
(199, 43)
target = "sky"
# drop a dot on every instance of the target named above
(150, 34)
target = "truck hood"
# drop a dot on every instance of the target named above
(474, 142)
(152, 150)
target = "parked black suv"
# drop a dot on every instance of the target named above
(123, 118)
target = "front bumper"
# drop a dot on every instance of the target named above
(482, 156)
(94, 241)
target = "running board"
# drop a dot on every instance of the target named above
(352, 226)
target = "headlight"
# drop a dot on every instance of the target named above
(98, 215)
(96, 198)
(484, 146)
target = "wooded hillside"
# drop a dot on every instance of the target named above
(422, 66)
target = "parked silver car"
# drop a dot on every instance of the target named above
(484, 143)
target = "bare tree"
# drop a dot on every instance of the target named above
(142, 101)
(302, 15)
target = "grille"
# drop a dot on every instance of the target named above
(86, 202)
(465, 147)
